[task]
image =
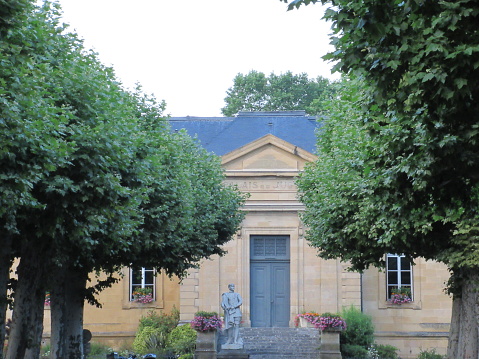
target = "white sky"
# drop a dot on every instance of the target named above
(188, 52)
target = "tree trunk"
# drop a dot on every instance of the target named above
(5, 265)
(452, 346)
(67, 302)
(463, 339)
(27, 321)
(467, 346)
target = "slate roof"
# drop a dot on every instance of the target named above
(222, 135)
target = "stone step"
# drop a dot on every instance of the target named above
(279, 343)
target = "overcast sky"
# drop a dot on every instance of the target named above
(188, 52)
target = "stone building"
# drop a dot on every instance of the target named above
(269, 259)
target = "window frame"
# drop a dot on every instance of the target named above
(144, 283)
(398, 272)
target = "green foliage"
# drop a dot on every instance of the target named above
(297, 3)
(204, 314)
(416, 121)
(340, 183)
(429, 354)
(149, 339)
(256, 92)
(91, 177)
(90, 173)
(153, 334)
(360, 328)
(45, 351)
(98, 349)
(354, 351)
(386, 351)
(411, 184)
(182, 340)
(156, 343)
(331, 315)
(163, 321)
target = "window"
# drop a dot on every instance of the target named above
(399, 274)
(142, 285)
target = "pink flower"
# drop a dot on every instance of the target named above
(206, 324)
(400, 299)
(324, 321)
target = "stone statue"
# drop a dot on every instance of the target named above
(231, 303)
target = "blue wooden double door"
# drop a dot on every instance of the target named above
(270, 281)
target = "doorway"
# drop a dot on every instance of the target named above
(270, 281)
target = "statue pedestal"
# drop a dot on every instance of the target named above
(232, 353)
(206, 345)
(330, 345)
(232, 346)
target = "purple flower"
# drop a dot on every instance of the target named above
(323, 321)
(206, 324)
(400, 299)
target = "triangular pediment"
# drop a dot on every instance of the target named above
(268, 153)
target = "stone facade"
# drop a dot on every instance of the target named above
(265, 167)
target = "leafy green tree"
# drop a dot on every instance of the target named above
(416, 163)
(31, 129)
(91, 179)
(256, 92)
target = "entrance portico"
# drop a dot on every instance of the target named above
(268, 260)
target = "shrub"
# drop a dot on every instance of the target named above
(354, 351)
(163, 321)
(429, 354)
(387, 351)
(182, 340)
(149, 339)
(360, 328)
(98, 349)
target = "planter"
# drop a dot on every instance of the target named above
(206, 345)
(400, 299)
(330, 344)
(303, 323)
(333, 329)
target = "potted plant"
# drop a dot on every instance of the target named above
(143, 295)
(401, 295)
(47, 299)
(307, 320)
(331, 326)
(331, 322)
(206, 324)
(206, 321)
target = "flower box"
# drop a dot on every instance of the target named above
(325, 321)
(331, 322)
(306, 320)
(47, 299)
(143, 295)
(304, 323)
(206, 345)
(330, 345)
(206, 322)
(400, 296)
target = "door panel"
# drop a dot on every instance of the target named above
(270, 294)
(260, 295)
(280, 292)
